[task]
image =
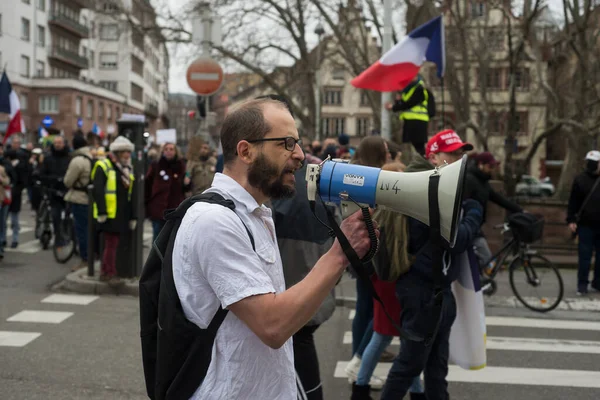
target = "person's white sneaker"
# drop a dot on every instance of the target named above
(352, 369)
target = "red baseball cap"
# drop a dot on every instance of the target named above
(446, 141)
(486, 158)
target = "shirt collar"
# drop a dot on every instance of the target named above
(239, 195)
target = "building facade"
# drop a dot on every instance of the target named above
(50, 49)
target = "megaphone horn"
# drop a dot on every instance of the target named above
(403, 192)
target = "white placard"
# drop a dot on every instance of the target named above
(133, 117)
(166, 136)
(110, 129)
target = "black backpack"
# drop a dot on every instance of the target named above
(176, 352)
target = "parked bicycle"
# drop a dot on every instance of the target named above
(527, 268)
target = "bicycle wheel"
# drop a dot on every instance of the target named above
(63, 253)
(538, 273)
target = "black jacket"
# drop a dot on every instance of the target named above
(582, 185)
(477, 187)
(125, 209)
(54, 170)
(417, 98)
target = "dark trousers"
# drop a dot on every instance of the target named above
(109, 258)
(362, 325)
(57, 210)
(80, 218)
(306, 363)
(417, 357)
(589, 242)
(415, 132)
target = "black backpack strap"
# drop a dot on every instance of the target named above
(361, 272)
(437, 253)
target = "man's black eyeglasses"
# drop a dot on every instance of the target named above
(290, 142)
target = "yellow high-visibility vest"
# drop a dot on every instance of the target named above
(418, 112)
(110, 191)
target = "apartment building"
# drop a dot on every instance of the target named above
(42, 44)
(128, 55)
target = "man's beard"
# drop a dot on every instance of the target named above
(264, 176)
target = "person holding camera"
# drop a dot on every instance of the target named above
(583, 217)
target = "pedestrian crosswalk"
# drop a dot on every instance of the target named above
(521, 340)
(22, 337)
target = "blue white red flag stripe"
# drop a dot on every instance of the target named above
(396, 68)
(9, 104)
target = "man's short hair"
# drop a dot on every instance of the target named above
(280, 98)
(246, 122)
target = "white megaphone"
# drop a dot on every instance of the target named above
(404, 192)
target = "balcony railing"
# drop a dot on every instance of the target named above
(69, 24)
(151, 110)
(69, 57)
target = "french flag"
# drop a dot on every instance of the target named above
(9, 104)
(97, 130)
(42, 132)
(399, 66)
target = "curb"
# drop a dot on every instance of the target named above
(80, 282)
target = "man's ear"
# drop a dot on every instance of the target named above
(244, 151)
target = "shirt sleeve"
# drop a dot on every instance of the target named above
(225, 256)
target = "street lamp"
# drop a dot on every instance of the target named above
(319, 31)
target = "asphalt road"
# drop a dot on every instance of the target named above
(89, 348)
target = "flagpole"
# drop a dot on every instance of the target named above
(387, 44)
(443, 104)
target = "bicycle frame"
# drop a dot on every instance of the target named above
(501, 256)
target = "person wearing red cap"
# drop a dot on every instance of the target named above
(415, 288)
(478, 187)
(446, 147)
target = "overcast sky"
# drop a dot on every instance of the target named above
(182, 55)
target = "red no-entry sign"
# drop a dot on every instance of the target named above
(204, 76)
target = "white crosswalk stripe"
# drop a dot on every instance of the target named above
(553, 375)
(16, 338)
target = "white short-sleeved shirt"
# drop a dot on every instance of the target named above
(214, 264)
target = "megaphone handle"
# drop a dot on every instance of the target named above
(372, 235)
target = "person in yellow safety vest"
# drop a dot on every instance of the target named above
(113, 203)
(416, 105)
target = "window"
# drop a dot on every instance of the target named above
(92, 59)
(108, 60)
(84, 21)
(492, 78)
(333, 126)
(521, 126)
(110, 85)
(364, 99)
(93, 29)
(25, 26)
(477, 8)
(49, 104)
(24, 99)
(495, 40)
(137, 93)
(89, 112)
(333, 97)
(338, 74)
(522, 79)
(78, 105)
(110, 6)
(362, 126)
(40, 69)
(100, 110)
(84, 51)
(137, 65)
(495, 123)
(26, 1)
(41, 36)
(109, 112)
(109, 32)
(117, 112)
(41, 5)
(25, 66)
